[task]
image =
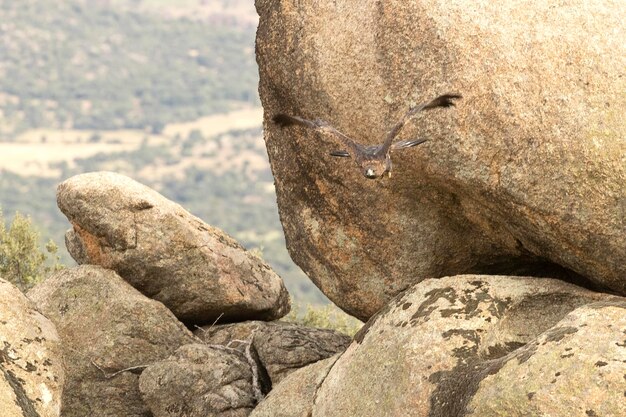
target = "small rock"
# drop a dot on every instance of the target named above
(281, 347)
(31, 367)
(196, 270)
(199, 381)
(106, 326)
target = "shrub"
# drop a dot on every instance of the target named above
(325, 317)
(22, 261)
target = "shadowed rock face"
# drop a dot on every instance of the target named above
(528, 170)
(196, 270)
(473, 345)
(31, 368)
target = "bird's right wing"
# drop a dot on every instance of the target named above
(321, 126)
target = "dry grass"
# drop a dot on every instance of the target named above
(218, 124)
(34, 151)
(241, 10)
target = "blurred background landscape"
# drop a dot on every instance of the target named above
(164, 91)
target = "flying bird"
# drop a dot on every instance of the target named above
(374, 160)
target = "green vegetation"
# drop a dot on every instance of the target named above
(22, 262)
(79, 64)
(324, 317)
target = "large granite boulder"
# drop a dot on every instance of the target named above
(196, 270)
(282, 348)
(200, 381)
(106, 326)
(525, 173)
(479, 346)
(31, 368)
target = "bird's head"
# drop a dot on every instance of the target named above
(375, 168)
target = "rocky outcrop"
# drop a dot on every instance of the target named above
(31, 368)
(199, 381)
(106, 326)
(281, 347)
(475, 345)
(294, 397)
(527, 172)
(196, 270)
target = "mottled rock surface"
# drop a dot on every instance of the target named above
(577, 367)
(281, 347)
(294, 396)
(199, 381)
(527, 171)
(444, 343)
(196, 270)
(105, 323)
(31, 367)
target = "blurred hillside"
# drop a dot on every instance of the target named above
(89, 65)
(163, 91)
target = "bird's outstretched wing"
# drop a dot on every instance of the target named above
(403, 144)
(353, 148)
(341, 154)
(445, 100)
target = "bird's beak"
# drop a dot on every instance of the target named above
(370, 173)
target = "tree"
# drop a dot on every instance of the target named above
(22, 262)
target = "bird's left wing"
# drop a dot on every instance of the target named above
(403, 144)
(284, 120)
(446, 100)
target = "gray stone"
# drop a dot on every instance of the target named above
(281, 347)
(196, 270)
(199, 381)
